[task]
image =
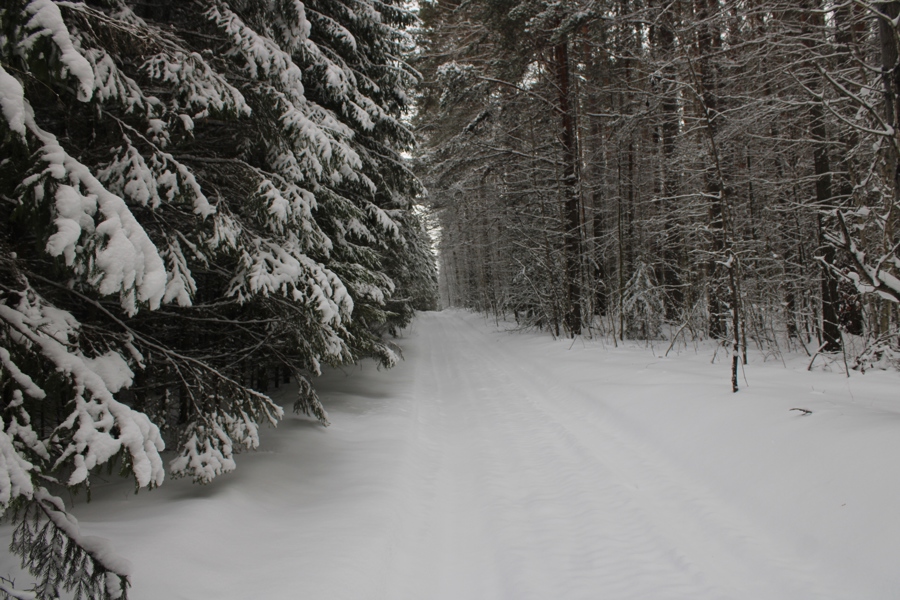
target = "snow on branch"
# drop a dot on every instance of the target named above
(115, 256)
(46, 23)
(195, 85)
(15, 473)
(111, 84)
(283, 269)
(99, 427)
(142, 180)
(307, 401)
(12, 103)
(286, 205)
(262, 57)
(180, 286)
(212, 440)
(867, 277)
(50, 542)
(289, 19)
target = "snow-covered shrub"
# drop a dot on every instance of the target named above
(881, 353)
(643, 304)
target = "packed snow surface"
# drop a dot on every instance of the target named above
(497, 465)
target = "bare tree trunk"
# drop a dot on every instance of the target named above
(890, 74)
(811, 18)
(735, 320)
(664, 37)
(571, 200)
(707, 42)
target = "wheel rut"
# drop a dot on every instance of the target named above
(522, 497)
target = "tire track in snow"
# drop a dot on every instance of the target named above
(743, 560)
(516, 498)
(441, 547)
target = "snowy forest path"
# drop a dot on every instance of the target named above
(509, 466)
(531, 488)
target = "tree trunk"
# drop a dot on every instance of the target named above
(831, 333)
(664, 37)
(571, 200)
(707, 41)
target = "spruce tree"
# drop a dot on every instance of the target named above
(198, 200)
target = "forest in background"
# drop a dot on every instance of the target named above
(198, 201)
(722, 169)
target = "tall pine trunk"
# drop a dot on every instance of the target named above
(571, 199)
(811, 20)
(664, 38)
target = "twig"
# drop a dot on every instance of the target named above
(809, 368)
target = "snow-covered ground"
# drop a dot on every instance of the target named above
(497, 465)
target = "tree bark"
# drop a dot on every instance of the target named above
(571, 200)
(831, 333)
(664, 38)
(707, 42)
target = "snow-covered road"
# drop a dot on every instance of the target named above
(491, 465)
(528, 487)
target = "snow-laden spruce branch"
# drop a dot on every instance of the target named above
(187, 210)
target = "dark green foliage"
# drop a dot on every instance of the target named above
(59, 562)
(197, 200)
